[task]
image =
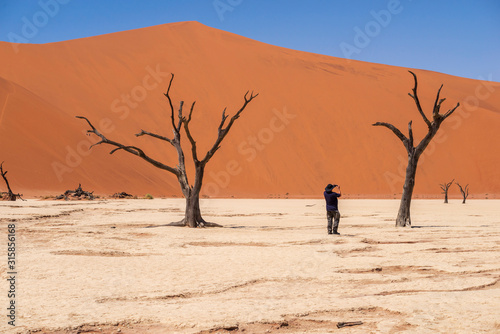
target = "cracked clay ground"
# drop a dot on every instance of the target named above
(94, 267)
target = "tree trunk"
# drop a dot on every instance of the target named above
(193, 215)
(446, 197)
(403, 218)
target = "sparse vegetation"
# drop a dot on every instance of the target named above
(148, 196)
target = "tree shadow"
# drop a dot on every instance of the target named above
(431, 226)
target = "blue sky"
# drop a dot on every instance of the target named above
(456, 37)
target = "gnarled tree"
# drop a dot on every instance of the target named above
(414, 152)
(445, 187)
(464, 191)
(193, 217)
(9, 195)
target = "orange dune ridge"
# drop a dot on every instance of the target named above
(309, 126)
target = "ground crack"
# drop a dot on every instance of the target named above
(185, 295)
(472, 288)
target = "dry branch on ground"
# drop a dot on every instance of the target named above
(77, 194)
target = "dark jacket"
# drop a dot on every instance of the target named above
(331, 201)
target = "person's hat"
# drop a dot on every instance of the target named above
(330, 187)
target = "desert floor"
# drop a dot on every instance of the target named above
(94, 267)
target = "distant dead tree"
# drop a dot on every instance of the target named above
(464, 191)
(9, 195)
(78, 193)
(414, 152)
(192, 217)
(445, 187)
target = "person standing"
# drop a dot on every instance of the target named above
(332, 208)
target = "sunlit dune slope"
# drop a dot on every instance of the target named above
(309, 126)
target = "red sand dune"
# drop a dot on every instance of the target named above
(309, 126)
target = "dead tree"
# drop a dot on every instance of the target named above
(414, 152)
(464, 191)
(192, 217)
(445, 187)
(122, 195)
(78, 193)
(9, 195)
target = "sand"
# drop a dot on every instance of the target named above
(94, 267)
(310, 125)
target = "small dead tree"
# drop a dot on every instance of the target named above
(414, 152)
(445, 187)
(78, 193)
(192, 217)
(464, 191)
(9, 195)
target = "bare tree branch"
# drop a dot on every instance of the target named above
(167, 95)
(142, 133)
(433, 129)
(451, 111)
(130, 149)
(180, 117)
(437, 103)
(446, 186)
(417, 101)
(419, 149)
(189, 135)
(391, 127)
(191, 111)
(410, 134)
(223, 131)
(437, 107)
(224, 117)
(137, 150)
(398, 133)
(94, 130)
